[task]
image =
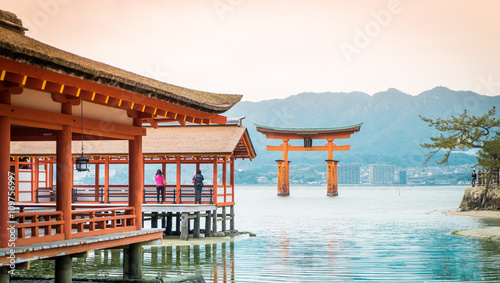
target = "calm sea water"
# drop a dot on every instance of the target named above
(366, 233)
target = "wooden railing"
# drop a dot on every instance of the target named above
(187, 195)
(120, 193)
(102, 221)
(38, 227)
(149, 194)
(87, 193)
(45, 194)
(225, 196)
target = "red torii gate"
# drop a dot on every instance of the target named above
(308, 134)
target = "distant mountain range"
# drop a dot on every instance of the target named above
(391, 130)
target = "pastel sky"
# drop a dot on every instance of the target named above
(267, 49)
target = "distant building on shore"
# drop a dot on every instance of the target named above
(349, 173)
(381, 174)
(402, 177)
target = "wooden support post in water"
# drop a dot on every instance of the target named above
(142, 219)
(178, 223)
(4, 274)
(132, 261)
(196, 232)
(214, 221)
(208, 222)
(154, 219)
(231, 222)
(64, 272)
(184, 226)
(223, 218)
(168, 230)
(163, 215)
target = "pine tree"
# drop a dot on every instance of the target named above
(467, 132)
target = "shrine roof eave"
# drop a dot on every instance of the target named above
(308, 131)
(20, 48)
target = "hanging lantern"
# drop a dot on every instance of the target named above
(82, 162)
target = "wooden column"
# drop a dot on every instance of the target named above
(332, 178)
(330, 149)
(283, 172)
(4, 173)
(214, 221)
(224, 178)
(132, 261)
(231, 222)
(215, 181)
(16, 174)
(50, 173)
(4, 274)
(64, 173)
(168, 229)
(136, 175)
(97, 177)
(63, 269)
(231, 178)
(223, 218)
(208, 224)
(35, 169)
(106, 179)
(283, 183)
(196, 228)
(178, 179)
(185, 226)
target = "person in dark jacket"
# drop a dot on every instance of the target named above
(198, 185)
(474, 177)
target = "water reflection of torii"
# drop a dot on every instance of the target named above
(308, 134)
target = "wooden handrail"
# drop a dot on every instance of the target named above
(52, 229)
(103, 221)
(103, 210)
(40, 213)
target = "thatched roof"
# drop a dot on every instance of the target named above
(16, 46)
(169, 141)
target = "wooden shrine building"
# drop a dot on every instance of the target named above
(47, 94)
(213, 148)
(308, 135)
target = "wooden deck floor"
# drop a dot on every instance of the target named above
(80, 245)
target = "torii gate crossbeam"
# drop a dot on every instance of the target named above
(308, 135)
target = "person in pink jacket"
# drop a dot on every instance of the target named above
(160, 186)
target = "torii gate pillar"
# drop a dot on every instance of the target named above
(283, 178)
(332, 178)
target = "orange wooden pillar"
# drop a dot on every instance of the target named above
(331, 172)
(5, 186)
(178, 179)
(136, 175)
(231, 177)
(332, 178)
(215, 185)
(283, 172)
(224, 178)
(106, 179)
(64, 173)
(283, 177)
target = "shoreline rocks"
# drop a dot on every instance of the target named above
(477, 198)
